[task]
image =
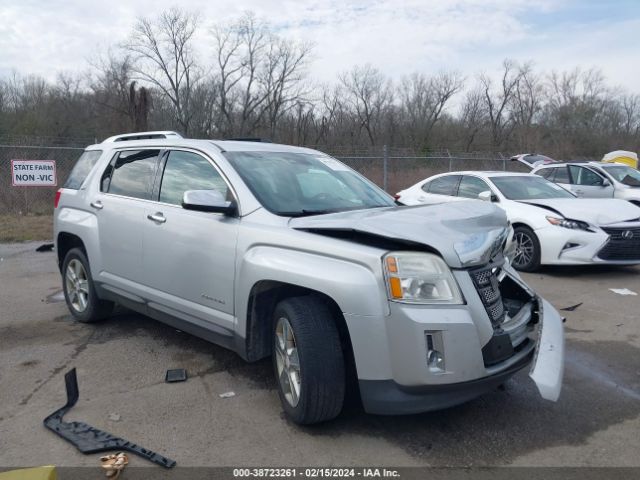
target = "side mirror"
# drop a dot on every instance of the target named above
(207, 201)
(606, 183)
(487, 196)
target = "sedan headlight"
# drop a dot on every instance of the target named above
(567, 223)
(416, 277)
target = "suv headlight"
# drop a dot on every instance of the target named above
(567, 223)
(416, 277)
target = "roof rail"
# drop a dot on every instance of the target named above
(142, 136)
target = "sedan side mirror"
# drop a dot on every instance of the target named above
(606, 183)
(487, 196)
(207, 201)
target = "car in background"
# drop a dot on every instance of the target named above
(532, 160)
(551, 226)
(595, 179)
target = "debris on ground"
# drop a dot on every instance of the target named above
(176, 375)
(572, 307)
(114, 464)
(45, 247)
(114, 417)
(89, 439)
(227, 394)
(623, 291)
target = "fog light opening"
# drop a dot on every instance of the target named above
(435, 352)
(569, 246)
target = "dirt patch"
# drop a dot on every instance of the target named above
(20, 228)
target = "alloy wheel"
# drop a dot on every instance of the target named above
(525, 250)
(288, 362)
(77, 285)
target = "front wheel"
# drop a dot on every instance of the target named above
(527, 257)
(308, 360)
(79, 291)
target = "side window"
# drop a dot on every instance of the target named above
(444, 185)
(188, 171)
(562, 175)
(131, 174)
(584, 176)
(470, 187)
(546, 173)
(82, 169)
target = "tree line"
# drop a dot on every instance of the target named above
(248, 81)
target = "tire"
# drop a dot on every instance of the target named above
(320, 376)
(527, 257)
(79, 291)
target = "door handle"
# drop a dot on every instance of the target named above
(157, 217)
(97, 205)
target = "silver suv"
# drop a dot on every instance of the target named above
(273, 250)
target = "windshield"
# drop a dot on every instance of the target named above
(529, 188)
(297, 184)
(623, 174)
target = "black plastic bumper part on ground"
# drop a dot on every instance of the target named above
(89, 439)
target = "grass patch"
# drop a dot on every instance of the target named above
(20, 228)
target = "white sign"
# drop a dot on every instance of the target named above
(33, 173)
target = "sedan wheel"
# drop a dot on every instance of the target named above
(527, 257)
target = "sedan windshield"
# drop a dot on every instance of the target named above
(297, 184)
(623, 174)
(529, 187)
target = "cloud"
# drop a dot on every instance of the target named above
(44, 37)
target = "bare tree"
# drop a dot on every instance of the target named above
(369, 93)
(164, 57)
(497, 102)
(473, 116)
(424, 100)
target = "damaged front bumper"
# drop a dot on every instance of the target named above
(548, 364)
(468, 370)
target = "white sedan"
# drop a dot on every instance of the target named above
(551, 226)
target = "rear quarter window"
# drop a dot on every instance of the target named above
(82, 168)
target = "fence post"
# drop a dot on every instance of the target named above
(504, 162)
(385, 166)
(450, 160)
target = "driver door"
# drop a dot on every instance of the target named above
(189, 256)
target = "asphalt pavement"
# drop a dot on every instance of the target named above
(121, 365)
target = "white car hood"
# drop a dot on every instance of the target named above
(597, 211)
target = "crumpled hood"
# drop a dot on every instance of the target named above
(465, 233)
(597, 211)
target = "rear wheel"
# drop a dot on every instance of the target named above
(308, 360)
(527, 257)
(79, 291)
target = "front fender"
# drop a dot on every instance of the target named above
(352, 285)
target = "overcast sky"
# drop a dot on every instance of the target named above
(400, 36)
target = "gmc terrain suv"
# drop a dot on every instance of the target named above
(273, 250)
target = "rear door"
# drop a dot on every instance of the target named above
(189, 256)
(561, 176)
(589, 184)
(125, 191)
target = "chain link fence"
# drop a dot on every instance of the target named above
(391, 168)
(17, 201)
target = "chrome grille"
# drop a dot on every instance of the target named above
(623, 244)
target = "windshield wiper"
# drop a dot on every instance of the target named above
(307, 212)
